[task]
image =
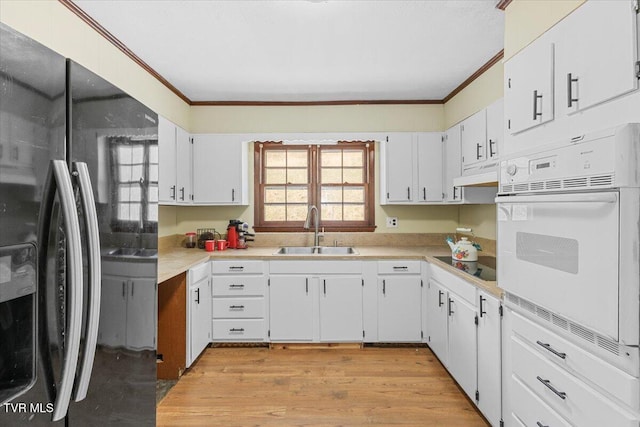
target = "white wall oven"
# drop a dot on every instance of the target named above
(568, 236)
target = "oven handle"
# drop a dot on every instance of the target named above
(608, 197)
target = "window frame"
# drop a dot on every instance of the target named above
(368, 225)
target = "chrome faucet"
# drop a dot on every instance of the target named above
(307, 223)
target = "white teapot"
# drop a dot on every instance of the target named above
(463, 249)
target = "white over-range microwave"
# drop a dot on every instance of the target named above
(568, 223)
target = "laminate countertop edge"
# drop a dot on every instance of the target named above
(175, 261)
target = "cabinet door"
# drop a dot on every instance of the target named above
(453, 164)
(437, 320)
(141, 314)
(399, 309)
(199, 318)
(495, 129)
(489, 357)
(596, 54)
(429, 167)
(183, 160)
(217, 169)
(290, 308)
(462, 352)
(473, 134)
(528, 93)
(341, 309)
(113, 311)
(166, 161)
(400, 164)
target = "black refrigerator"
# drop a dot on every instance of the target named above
(78, 244)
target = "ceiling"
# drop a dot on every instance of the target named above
(307, 50)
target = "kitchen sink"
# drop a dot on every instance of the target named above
(134, 252)
(337, 250)
(322, 250)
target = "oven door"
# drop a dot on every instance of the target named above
(560, 251)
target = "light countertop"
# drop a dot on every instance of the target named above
(174, 261)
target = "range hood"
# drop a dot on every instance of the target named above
(485, 179)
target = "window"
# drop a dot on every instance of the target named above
(135, 184)
(337, 178)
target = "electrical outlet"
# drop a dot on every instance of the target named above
(392, 222)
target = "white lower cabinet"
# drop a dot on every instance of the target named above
(290, 308)
(399, 309)
(239, 300)
(464, 331)
(198, 311)
(462, 351)
(341, 309)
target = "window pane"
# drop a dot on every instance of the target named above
(297, 176)
(331, 195)
(297, 158)
(124, 173)
(153, 173)
(353, 158)
(152, 194)
(354, 212)
(274, 195)
(296, 212)
(331, 158)
(137, 154)
(275, 158)
(331, 212)
(275, 176)
(353, 175)
(152, 213)
(331, 176)
(354, 195)
(137, 172)
(153, 153)
(124, 154)
(274, 213)
(297, 195)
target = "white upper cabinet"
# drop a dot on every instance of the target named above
(183, 173)
(595, 55)
(430, 166)
(411, 168)
(399, 162)
(528, 92)
(174, 151)
(166, 161)
(220, 169)
(473, 134)
(452, 164)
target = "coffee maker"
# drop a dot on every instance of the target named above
(238, 234)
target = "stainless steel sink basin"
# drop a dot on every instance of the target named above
(322, 250)
(296, 250)
(134, 252)
(337, 250)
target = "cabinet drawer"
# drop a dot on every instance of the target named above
(576, 360)
(237, 267)
(237, 308)
(199, 272)
(570, 397)
(530, 410)
(238, 286)
(239, 330)
(399, 267)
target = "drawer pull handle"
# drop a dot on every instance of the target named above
(400, 268)
(561, 394)
(236, 268)
(450, 304)
(440, 303)
(236, 286)
(482, 312)
(236, 307)
(551, 349)
(236, 330)
(539, 424)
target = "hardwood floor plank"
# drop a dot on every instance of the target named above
(317, 387)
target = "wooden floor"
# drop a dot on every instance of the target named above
(317, 387)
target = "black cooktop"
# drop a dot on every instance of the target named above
(484, 268)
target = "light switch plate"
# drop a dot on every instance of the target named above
(392, 222)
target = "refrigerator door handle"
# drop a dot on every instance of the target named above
(74, 255)
(95, 275)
